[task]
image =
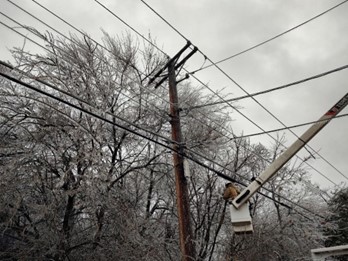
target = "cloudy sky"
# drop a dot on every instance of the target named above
(220, 29)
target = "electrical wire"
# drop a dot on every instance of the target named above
(59, 32)
(276, 118)
(248, 94)
(26, 37)
(270, 39)
(70, 39)
(246, 179)
(82, 101)
(70, 104)
(196, 78)
(69, 24)
(272, 89)
(119, 18)
(269, 197)
(263, 130)
(320, 173)
(287, 128)
(200, 81)
(38, 90)
(79, 69)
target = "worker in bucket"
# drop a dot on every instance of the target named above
(231, 192)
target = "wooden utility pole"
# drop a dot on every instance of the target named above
(182, 199)
(187, 247)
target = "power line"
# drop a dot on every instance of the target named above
(99, 117)
(82, 101)
(34, 31)
(204, 84)
(119, 18)
(285, 128)
(243, 184)
(67, 37)
(70, 39)
(272, 89)
(164, 20)
(273, 200)
(211, 89)
(276, 118)
(260, 156)
(79, 69)
(34, 78)
(31, 87)
(67, 23)
(92, 39)
(248, 94)
(270, 39)
(24, 36)
(246, 117)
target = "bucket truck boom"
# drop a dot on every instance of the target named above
(240, 216)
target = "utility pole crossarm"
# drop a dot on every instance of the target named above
(249, 191)
(171, 60)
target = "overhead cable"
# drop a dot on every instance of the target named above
(220, 97)
(31, 87)
(94, 42)
(78, 30)
(286, 128)
(248, 94)
(77, 68)
(272, 89)
(270, 39)
(156, 46)
(80, 100)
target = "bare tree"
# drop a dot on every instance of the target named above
(76, 187)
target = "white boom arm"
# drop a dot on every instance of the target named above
(254, 186)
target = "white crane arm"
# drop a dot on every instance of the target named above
(254, 186)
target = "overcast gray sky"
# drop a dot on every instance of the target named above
(220, 29)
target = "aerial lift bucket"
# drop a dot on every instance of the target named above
(241, 219)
